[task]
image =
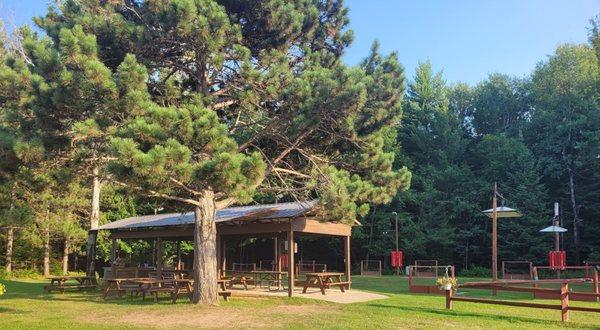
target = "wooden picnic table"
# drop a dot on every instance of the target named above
(324, 281)
(128, 284)
(59, 283)
(174, 287)
(270, 276)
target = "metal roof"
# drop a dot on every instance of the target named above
(554, 229)
(241, 213)
(503, 212)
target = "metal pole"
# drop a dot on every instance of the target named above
(396, 231)
(556, 234)
(495, 236)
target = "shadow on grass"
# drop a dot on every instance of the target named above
(491, 317)
(12, 311)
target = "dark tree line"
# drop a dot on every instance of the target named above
(538, 137)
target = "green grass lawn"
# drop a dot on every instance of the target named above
(27, 306)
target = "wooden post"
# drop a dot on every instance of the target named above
(347, 258)
(219, 252)
(113, 258)
(277, 256)
(449, 299)
(179, 255)
(159, 259)
(564, 301)
(291, 275)
(596, 290)
(495, 237)
(224, 257)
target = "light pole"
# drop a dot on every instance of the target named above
(498, 212)
(396, 236)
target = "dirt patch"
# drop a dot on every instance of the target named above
(208, 317)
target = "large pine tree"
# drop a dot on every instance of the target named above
(240, 96)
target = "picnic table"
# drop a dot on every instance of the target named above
(325, 280)
(174, 287)
(59, 283)
(270, 276)
(124, 285)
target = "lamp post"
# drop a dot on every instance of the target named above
(396, 236)
(556, 229)
(498, 212)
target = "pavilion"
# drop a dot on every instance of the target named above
(283, 221)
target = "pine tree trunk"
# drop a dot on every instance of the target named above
(205, 251)
(371, 234)
(576, 219)
(94, 220)
(10, 233)
(10, 237)
(47, 252)
(65, 261)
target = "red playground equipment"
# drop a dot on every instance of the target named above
(397, 259)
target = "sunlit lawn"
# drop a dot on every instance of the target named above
(27, 306)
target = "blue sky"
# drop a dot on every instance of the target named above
(467, 39)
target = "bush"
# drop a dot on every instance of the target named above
(476, 271)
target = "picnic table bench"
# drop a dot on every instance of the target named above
(175, 287)
(124, 285)
(60, 283)
(325, 280)
(255, 277)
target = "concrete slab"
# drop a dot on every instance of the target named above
(333, 295)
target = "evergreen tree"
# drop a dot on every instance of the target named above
(228, 111)
(510, 163)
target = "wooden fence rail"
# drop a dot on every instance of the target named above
(563, 292)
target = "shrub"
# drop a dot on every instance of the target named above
(476, 271)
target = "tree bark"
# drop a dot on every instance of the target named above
(371, 234)
(10, 233)
(47, 252)
(576, 220)
(205, 251)
(94, 220)
(10, 236)
(65, 261)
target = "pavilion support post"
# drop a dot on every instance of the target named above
(347, 258)
(291, 263)
(179, 267)
(219, 256)
(276, 260)
(223, 257)
(113, 257)
(159, 258)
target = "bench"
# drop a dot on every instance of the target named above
(324, 281)
(59, 283)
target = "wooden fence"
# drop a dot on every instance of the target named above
(563, 293)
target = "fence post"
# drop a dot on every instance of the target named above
(564, 301)
(449, 299)
(596, 290)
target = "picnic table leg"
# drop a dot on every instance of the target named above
(339, 278)
(321, 285)
(308, 279)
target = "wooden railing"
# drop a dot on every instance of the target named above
(563, 293)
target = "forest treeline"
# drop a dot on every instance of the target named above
(88, 108)
(538, 137)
